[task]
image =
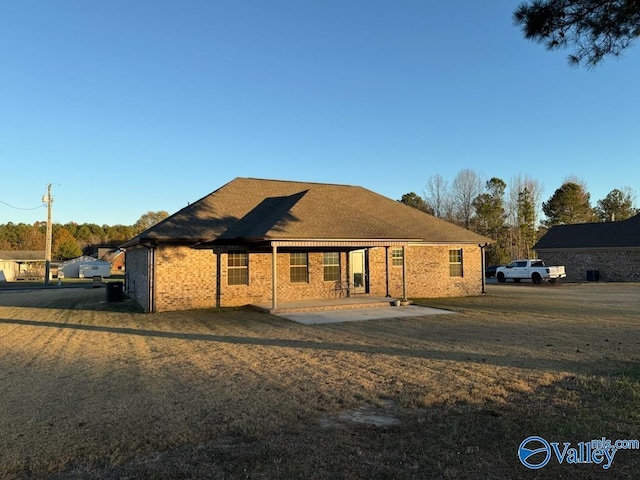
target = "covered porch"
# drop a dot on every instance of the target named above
(353, 291)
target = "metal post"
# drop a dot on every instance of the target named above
(386, 266)
(482, 265)
(274, 276)
(404, 273)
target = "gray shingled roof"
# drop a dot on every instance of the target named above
(623, 234)
(22, 255)
(255, 209)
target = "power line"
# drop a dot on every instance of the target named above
(19, 208)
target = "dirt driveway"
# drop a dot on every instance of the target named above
(80, 297)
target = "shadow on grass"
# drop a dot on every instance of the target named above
(527, 362)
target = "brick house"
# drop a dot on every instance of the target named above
(259, 241)
(612, 249)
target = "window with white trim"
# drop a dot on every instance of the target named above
(298, 267)
(455, 262)
(331, 266)
(238, 268)
(397, 257)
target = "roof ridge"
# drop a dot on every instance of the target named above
(294, 181)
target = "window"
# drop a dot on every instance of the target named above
(455, 263)
(331, 266)
(237, 268)
(298, 266)
(396, 257)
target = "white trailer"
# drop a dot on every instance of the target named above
(98, 268)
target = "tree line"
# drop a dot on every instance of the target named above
(70, 240)
(511, 214)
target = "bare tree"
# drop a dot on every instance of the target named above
(436, 195)
(466, 186)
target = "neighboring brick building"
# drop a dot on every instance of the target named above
(263, 241)
(608, 251)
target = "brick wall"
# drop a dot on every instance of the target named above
(427, 272)
(187, 278)
(184, 278)
(612, 265)
(259, 289)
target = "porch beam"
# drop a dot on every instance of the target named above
(355, 244)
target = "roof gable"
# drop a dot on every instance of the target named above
(22, 255)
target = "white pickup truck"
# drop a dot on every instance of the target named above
(535, 270)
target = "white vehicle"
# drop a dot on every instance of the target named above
(535, 270)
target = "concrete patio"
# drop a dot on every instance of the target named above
(322, 304)
(347, 309)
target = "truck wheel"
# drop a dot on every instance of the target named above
(536, 278)
(501, 278)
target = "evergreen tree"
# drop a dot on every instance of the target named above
(569, 204)
(413, 200)
(490, 219)
(489, 208)
(617, 205)
(594, 28)
(526, 222)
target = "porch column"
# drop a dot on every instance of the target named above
(483, 265)
(404, 272)
(274, 276)
(386, 266)
(218, 279)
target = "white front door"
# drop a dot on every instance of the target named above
(358, 270)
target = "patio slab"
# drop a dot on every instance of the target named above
(361, 314)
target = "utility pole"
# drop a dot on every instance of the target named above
(48, 200)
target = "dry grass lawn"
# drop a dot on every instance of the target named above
(96, 390)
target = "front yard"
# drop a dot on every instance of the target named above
(89, 392)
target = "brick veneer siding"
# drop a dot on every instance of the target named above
(427, 272)
(184, 278)
(188, 278)
(612, 265)
(259, 289)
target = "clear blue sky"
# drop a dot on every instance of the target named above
(127, 106)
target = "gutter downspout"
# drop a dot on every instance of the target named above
(483, 262)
